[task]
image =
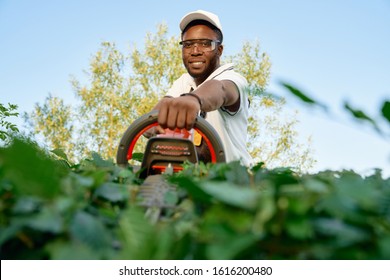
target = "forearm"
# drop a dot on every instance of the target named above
(181, 112)
(216, 94)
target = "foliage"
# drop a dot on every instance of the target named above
(55, 122)
(275, 130)
(273, 138)
(50, 210)
(106, 102)
(6, 126)
(123, 87)
(380, 124)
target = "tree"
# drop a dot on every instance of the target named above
(54, 122)
(121, 88)
(7, 127)
(105, 104)
(272, 134)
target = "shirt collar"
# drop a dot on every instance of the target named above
(218, 71)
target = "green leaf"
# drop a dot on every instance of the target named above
(300, 228)
(362, 191)
(278, 176)
(237, 174)
(137, 235)
(218, 214)
(336, 205)
(258, 166)
(31, 170)
(9, 232)
(244, 198)
(100, 162)
(83, 181)
(125, 173)
(60, 153)
(192, 187)
(361, 116)
(384, 247)
(228, 245)
(316, 186)
(303, 97)
(26, 205)
(89, 230)
(386, 110)
(47, 221)
(267, 210)
(137, 157)
(343, 233)
(112, 192)
(73, 250)
(171, 198)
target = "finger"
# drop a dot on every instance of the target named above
(163, 116)
(153, 131)
(172, 118)
(181, 119)
(190, 119)
(159, 130)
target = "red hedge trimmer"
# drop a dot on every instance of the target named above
(166, 152)
(170, 149)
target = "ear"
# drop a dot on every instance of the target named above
(220, 50)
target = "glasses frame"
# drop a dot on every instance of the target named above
(198, 43)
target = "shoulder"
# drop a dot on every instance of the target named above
(227, 72)
(182, 84)
(184, 79)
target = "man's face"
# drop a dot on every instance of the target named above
(200, 63)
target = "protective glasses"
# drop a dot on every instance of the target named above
(206, 45)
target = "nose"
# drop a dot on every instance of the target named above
(196, 49)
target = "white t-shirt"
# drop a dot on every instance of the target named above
(231, 126)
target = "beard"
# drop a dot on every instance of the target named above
(200, 72)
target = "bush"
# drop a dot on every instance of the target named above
(50, 209)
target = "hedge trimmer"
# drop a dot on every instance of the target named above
(166, 153)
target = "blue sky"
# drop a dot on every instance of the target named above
(334, 50)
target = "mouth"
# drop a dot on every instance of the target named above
(196, 64)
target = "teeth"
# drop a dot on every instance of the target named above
(197, 63)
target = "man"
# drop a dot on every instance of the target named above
(215, 91)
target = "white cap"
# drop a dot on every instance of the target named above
(200, 15)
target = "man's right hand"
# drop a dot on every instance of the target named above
(180, 112)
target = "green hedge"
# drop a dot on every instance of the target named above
(51, 210)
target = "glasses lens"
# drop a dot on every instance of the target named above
(201, 44)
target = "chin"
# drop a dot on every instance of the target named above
(196, 74)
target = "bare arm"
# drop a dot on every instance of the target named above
(216, 94)
(181, 112)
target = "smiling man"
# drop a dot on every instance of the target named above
(214, 91)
